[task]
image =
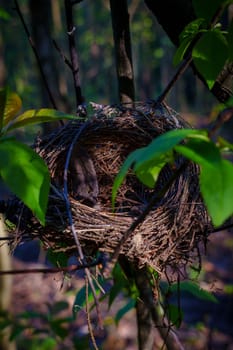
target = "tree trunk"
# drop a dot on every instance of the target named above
(122, 43)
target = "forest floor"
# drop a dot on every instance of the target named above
(206, 325)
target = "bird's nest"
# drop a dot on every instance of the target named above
(172, 232)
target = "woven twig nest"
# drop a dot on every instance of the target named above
(170, 234)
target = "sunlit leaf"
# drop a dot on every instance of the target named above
(36, 116)
(202, 152)
(26, 174)
(217, 190)
(216, 176)
(10, 105)
(211, 47)
(159, 152)
(147, 162)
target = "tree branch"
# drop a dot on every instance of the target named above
(122, 43)
(71, 29)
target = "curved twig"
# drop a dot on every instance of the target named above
(70, 218)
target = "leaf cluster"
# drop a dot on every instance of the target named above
(210, 46)
(21, 168)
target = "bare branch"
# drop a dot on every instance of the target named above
(71, 268)
(71, 29)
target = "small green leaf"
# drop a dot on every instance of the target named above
(57, 258)
(126, 308)
(174, 314)
(186, 38)
(4, 14)
(191, 29)
(26, 174)
(80, 299)
(36, 116)
(202, 152)
(194, 289)
(217, 190)
(10, 104)
(211, 44)
(181, 50)
(59, 306)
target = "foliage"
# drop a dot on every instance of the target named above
(206, 40)
(147, 162)
(31, 180)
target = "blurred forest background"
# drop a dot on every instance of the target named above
(153, 68)
(152, 56)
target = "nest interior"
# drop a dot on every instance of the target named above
(170, 234)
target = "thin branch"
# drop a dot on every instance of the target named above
(71, 268)
(18, 10)
(71, 29)
(90, 328)
(223, 117)
(64, 58)
(185, 64)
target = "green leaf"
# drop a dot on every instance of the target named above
(57, 258)
(212, 44)
(181, 50)
(26, 174)
(206, 9)
(47, 344)
(58, 328)
(147, 162)
(224, 144)
(174, 314)
(217, 190)
(10, 104)
(191, 29)
(186, 38)
(159, 152)
(126, 308)
(80, 299)
(217, 194)
(230, 40)
(59, 306)
(36, 116)
(194, 289)
(4, 14)
(202, 152)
